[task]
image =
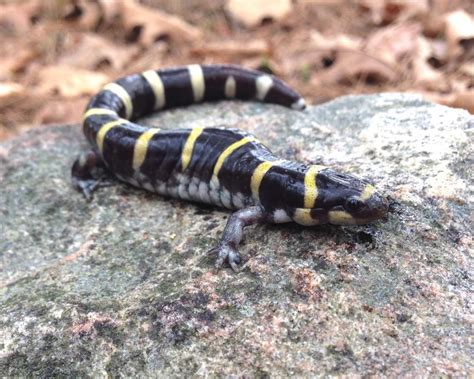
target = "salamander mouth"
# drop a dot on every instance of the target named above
(369, 211)
(375, 208)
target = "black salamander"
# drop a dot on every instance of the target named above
(224, 167)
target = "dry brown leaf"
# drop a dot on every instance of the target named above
(424, 74)
(233, 50)
(152, 57)
(15, 18)
(351, 66)
(467, 69)
(459, 30)
(350, 62)
(84, 14)
(338, 42)
(321, 2)
(439, 50)
(152, 25)
(61, 111)
(434, 22)
(464, 99)
(12, 20)
(111, 9)
(321, 49)
(13, 64)
(69, 81)
(385, 11)
(393, 43)
(253, 12)
(376, 9)
(92, 51)
(9, 91)
(267, 65)
(87, 14)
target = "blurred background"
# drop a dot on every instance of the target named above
(55, 54)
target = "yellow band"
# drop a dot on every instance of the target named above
(257, 177)
(189, 146)
(98, 112)
(310, 187)
(228, 151)
(157, 87)
(124, 97)
(103, 131)
(302, 216)
(141, 147)
(367, 192)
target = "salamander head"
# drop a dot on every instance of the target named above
(340, 199)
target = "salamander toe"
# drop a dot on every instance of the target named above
(226, 253)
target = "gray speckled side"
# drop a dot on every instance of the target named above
(123, 286)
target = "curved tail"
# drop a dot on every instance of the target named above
(136, 95)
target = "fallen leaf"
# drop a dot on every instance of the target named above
(253, 12)
(15, 19)
(338, 42)
(387, 11)
(459, 32)
(92, 51)
(439, 50)
(463, 100)
(467, 69)
(425, 75)
(85, 14)
(10, 90)
(264, 64)
(434, 22)
(393, 43)
(321, 52)
(111, 9)
(233, 50)
(320, 2)
(351, 66)
(151, 25)
(17, 62)
(349, 61)
(69, 81)
(153, 57)
(61, 111)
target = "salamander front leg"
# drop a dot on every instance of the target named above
(84, 179)
(227, 248)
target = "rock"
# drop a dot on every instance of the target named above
(122, 286)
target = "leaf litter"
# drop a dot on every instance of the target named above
(55, 54)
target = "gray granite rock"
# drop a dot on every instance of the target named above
(123, 285)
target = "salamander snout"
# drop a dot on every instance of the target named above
(357, 204)
(366, 207)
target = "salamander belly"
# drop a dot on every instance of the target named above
(192, 189)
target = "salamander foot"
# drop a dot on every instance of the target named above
(227, 248)
(85, 179)
(226, 253)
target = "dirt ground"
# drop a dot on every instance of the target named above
(55, 54)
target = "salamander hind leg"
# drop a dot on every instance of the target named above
(85, 176)
(227, 249)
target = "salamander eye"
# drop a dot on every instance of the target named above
(353, 204)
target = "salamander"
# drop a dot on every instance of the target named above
(225, 167)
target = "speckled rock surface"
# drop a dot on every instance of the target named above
(123, 285)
